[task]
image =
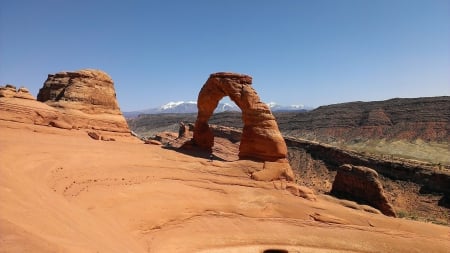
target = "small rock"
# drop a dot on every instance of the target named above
(60, 124)
(94, 135)
(154, 142)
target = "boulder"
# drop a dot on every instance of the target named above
(94, 135)
(361, 184)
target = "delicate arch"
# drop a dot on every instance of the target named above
(261, 139)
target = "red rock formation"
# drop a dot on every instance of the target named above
(88, 96)
(9, 91)
(361, 184)
(90, 91)
(261, 139)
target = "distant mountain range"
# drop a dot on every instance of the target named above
(191, 107)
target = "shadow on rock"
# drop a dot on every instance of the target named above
(189, 148)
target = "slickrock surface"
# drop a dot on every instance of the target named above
(416, 190)
(415, 173)
(61, 191)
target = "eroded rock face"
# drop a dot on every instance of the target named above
(261, 138)
(87, 97)
(361, 184)
(88, 90)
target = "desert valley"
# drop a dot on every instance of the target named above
(76, 176)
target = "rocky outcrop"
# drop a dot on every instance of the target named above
(361, 184)
(88, 96)
(82, 99)
(90, 91)
(261, 138)
(10, 91)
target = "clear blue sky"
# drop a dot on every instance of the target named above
(312, 52)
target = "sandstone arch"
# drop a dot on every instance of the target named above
(261, 138)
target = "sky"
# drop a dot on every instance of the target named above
(311, 52)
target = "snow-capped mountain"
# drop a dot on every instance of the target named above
(191, 107)
(276, 107)
(177, 106)
(180, 107)
(226, 107)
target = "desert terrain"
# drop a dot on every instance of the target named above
(404, 140)
(62, 191)
(83, 183)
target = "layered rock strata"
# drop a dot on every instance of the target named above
(426, 118)
(88, 96)
(88, 90)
